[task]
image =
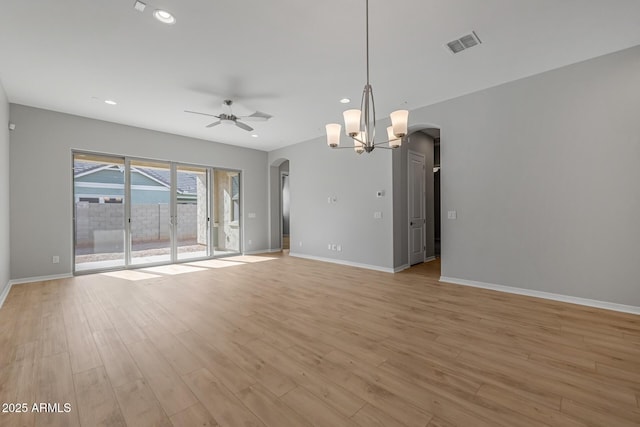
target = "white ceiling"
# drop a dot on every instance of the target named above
(290, 58)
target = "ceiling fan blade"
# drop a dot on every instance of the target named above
(258, 116)
(243, 126)
(213, 124)
(202, 114)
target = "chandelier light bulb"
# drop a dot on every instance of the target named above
(399, 121)
(394, 141)
(352, 122)
(333, 134)
(358, 146)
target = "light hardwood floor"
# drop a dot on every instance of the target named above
(278, 341)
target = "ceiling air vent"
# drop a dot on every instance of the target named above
(464, 42)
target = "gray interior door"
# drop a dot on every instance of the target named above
(416, 192)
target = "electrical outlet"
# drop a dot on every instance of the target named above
(55, 259)
(452, 215)
(339, 248)
(250, 242)
(329, 246)
(377, 215)
(333, 247)
(300, 243)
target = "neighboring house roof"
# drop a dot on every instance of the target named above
(84, 168)
(187, 182)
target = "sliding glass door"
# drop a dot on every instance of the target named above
(192, 212)
(98, 212)
(151, 219)
(135, 212)
(226, 212)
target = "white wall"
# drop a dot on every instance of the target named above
(5, 225)
(543, 173)
(316, 173)
(41, 175)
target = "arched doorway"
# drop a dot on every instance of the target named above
(418, 229)
(279, 200)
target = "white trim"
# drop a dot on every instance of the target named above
(343, 262)
(5, 292)
(429, 259)
(401, 268)
(545, 295)
(40, 279)
(111, 186)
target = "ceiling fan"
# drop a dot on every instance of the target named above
(231, 119)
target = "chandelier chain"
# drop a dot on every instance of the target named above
(367, 32)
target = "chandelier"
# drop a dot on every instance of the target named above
(360, 125)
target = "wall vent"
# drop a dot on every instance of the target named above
(464, 42)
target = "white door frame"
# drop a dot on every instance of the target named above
(411, 153)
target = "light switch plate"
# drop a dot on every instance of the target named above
(377, 215)
(252, 215)
(452, 215)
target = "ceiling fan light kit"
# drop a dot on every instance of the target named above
(360, 125)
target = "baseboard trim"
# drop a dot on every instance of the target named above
(40, 279)
(401, 268)
(262, 251)
(343, 262)
(429, 259)
(545, 295)
(5, 293)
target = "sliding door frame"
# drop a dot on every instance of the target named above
(173, 213)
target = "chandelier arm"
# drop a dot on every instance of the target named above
(380, 145)
(356, 139)
(373, 107)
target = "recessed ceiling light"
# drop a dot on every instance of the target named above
(164, 16)
(110, 102)
(345, 101)
(255, 135)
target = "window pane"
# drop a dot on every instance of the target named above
(150, 212)
(226, 212)
(191, 210)
(98, 182)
